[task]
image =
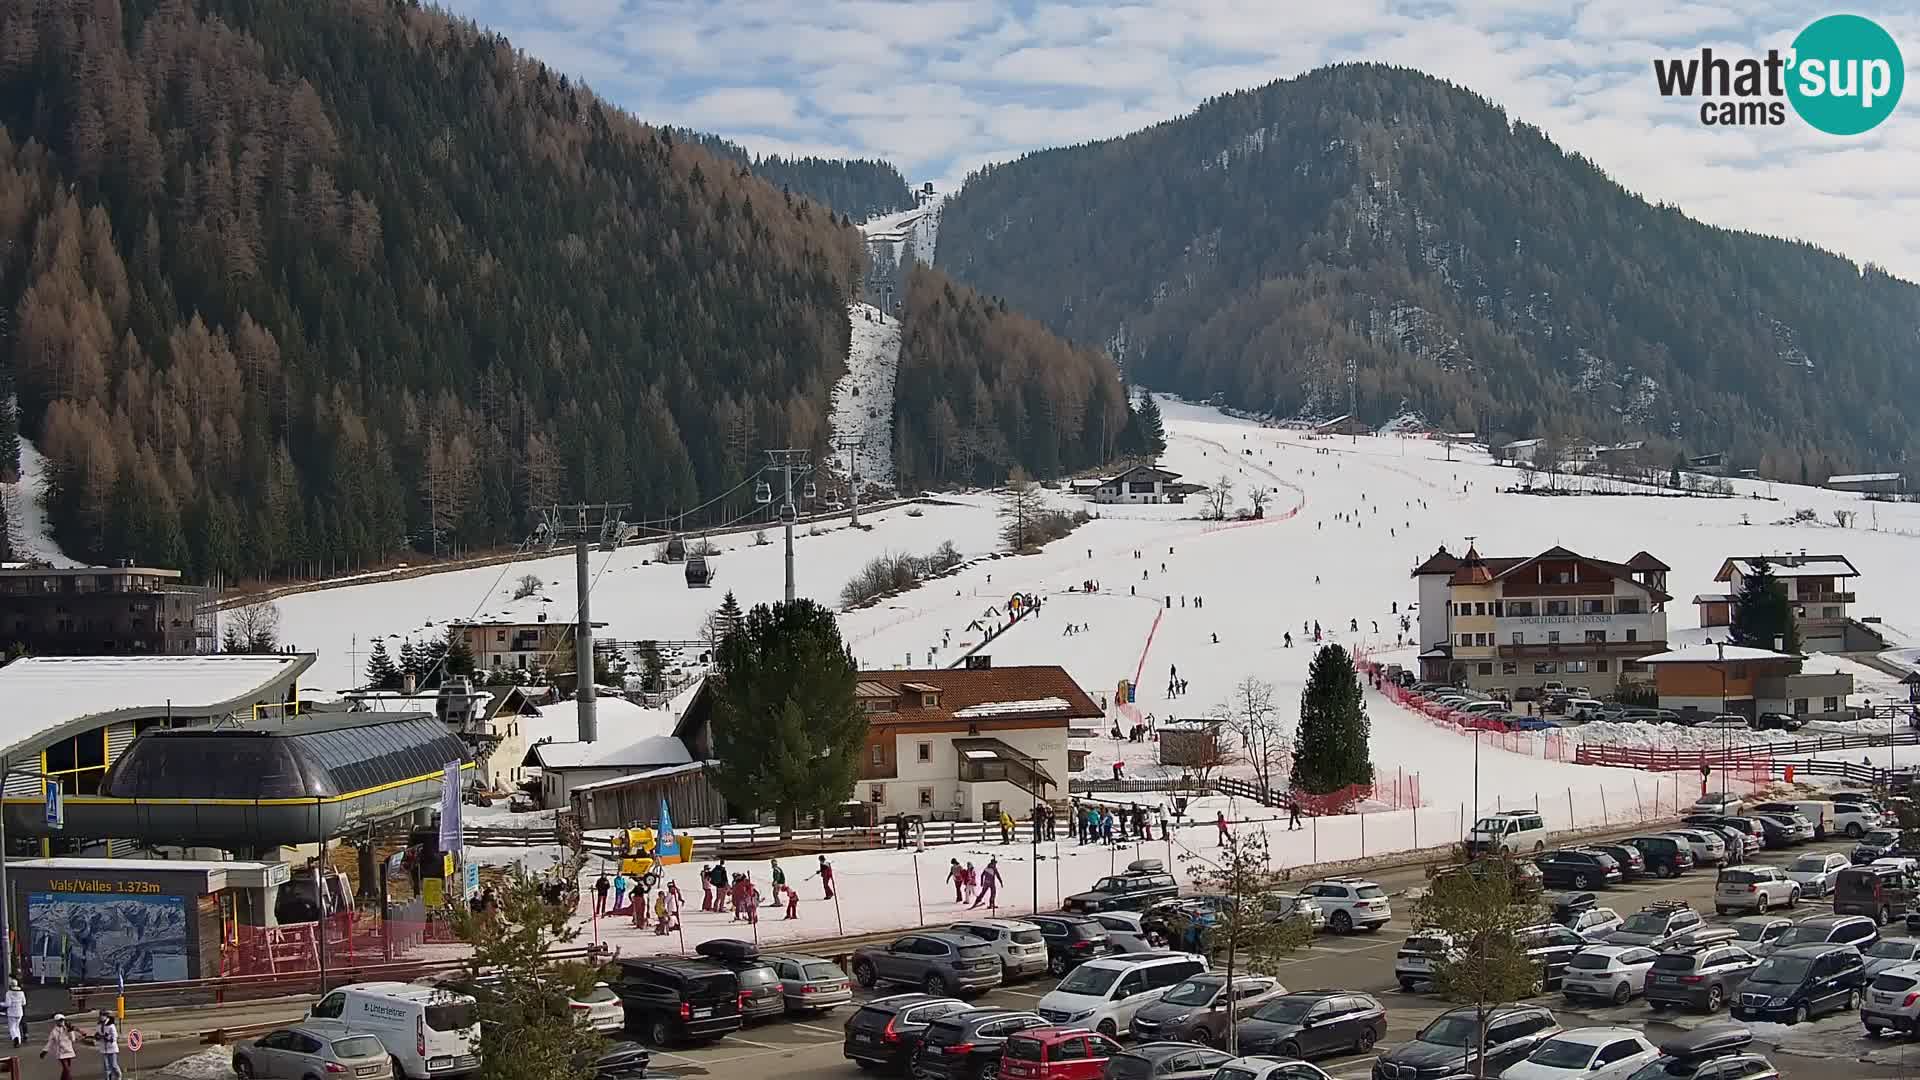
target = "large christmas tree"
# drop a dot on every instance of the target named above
(1331, 749)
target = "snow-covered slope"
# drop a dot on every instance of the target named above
(909, 232)
(25, 516)
(863, 398)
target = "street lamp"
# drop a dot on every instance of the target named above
(1726, 733)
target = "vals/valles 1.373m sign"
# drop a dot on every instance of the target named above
(1843, 75)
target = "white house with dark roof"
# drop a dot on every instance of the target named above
(1142, 484)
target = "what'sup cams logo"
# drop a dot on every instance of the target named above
(1843, 75)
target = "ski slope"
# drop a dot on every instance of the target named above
(26, 517)
(910, 232)
(862, 404)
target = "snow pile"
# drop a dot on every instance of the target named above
(1676, 737)
(863, 398)
(213, 1063)
(1906, 658)
(26, 516)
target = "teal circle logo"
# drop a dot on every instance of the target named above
(1847, 74)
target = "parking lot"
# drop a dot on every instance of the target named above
(1832, 1047)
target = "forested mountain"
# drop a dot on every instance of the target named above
(982, 388)
(292, 284)
(859, 188)
(1462, 263)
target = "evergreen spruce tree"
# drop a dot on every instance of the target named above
(1762, 612)
(652, 678)
(1153, 431)
(433, 664)
(382, 673)
(786, 730)
(410, 661)
(1331, 743)
(459, 657)
(729, 615)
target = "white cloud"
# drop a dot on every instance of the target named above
(940, 87)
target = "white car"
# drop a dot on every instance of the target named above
(1717, 802)
(1595, 924)
(1021, 948)
(1889, 953)
(600, 1007)
(1351, 904)
(1605, 1052)
(1854, 819)
(1814, 873)
(1708, 849)
(1283, 906)
(1753, 887)
(1270, 1068)
(1616, 973)
(1414, 962)
(1104, 993)
(1124, 931)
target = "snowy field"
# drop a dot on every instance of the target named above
(1398, 500)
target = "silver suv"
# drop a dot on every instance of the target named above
(939, 963)
(1892, 1000)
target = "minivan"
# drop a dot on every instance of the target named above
(1513, 831)
(1803, 981)
(1104, 994)
(1875, 890)
(1666, 856)
(672, 999)
(430, 1033)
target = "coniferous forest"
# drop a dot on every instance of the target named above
(982, 388)
(290, 286)
(1459, 262)
(856, 188)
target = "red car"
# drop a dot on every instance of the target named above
(1051, 1053)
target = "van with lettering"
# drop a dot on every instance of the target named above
(429, 1032)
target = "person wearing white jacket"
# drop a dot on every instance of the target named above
(16, 1013)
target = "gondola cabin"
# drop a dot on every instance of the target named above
(699, 575)
(676, 549)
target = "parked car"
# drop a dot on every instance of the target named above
(304, 1051)
(1708, 849)
(1196, 1010)
(617, 1061)
(1282, 906)
(1596, 924)
(1414, 962)
(1799, 982)
(1633, 865)
(1853, 820)
(1314, 1024)
(1757, 933)
(886, 1032)
(1815, 872)
(810, 984)
(1165, 1061)
(1709, 1052)
(1104, 994)
(1056, 1053)
(1889, 953)
(1739, 845)
(1550, 946)
(761, 995)
(1169, 920)
(1892, 1000)
(1515, 832)
(1270, 1068)
(1451, 1043)
(939, 963)
(1877, 844)
(1145, 883)
(1874, 890)
(1659, 923)
(1702, 977)
(1749, 827)
(1578, 868)
(1717, 802)
(1071, 940)
(673, 999)
(1585, 1053)
(1818, 812)
(1126, 931)
(1666, 856)
(1585, 709)
(1755, 887)
(1351, 904)
(1776, 721)
(1855, 930)
(1018, 945)
(966, 1045)
(1615, 973)
(1785, 830)
(1525, 875)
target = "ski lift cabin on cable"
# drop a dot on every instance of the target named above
(811, 490)
(699, 576)
(762, 492)
(676, 549)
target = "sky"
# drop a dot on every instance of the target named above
(941, 87)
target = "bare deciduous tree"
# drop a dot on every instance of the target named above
(1220, 498)
(1249, 712)
(528, 585)
(1259, 497)
(253, 628)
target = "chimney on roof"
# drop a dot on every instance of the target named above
(979, 662)
(408, 685)
(1779, 643)
(542, 617)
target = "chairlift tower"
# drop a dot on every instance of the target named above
(586, 524)
(852, 444)
(787, 463)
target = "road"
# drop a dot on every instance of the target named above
(1828, 1049)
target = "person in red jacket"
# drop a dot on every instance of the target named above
(825, 874)
(1220, 821)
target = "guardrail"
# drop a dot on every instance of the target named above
(1749, 754)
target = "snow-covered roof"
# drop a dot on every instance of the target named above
(610, 752)
(1521, 443)
(46, 693)
(1000, 708)
(1713, 598)
(660, 773)
(615, 720)
(1864, 478)
(1786, 566)
(1713, 654)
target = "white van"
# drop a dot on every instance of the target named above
(1104, 994)
(431, 1033)
(1518, 832)
(1825, 816)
